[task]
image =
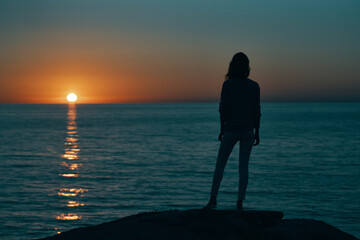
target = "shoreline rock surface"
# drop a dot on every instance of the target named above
(208, 224)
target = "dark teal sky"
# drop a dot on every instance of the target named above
(121, 51)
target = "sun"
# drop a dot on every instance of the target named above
(71, 97)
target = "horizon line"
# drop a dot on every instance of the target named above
(183, 102)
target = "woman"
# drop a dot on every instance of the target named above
(239, 116)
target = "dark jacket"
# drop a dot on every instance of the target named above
(240, 105)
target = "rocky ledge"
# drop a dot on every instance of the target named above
(208, 224)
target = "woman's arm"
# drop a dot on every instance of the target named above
(257, 115)
(223, 107)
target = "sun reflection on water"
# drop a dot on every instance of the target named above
(74, 204)
(71, 191)
(69, 216)
(70, 156)
(72, 166)
(69, 175)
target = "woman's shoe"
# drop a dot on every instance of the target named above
(211, 204)
(239, 205)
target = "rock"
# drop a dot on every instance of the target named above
(208, 224)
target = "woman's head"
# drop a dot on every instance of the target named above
(239, 66)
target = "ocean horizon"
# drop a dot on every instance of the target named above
(64, 166)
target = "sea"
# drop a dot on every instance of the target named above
(69, 166)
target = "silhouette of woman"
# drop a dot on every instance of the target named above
(239, 116)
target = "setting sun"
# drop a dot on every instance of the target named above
(71, 97)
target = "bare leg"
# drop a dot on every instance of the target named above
(227, 144)
(246, 144)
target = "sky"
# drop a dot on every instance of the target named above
(129, 51)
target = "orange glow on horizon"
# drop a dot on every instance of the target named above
(97, 80)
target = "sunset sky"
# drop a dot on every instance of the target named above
(121, 51)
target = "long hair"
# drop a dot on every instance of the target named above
(239, 67)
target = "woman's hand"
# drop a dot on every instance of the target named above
(221, 135)
(257, 137)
